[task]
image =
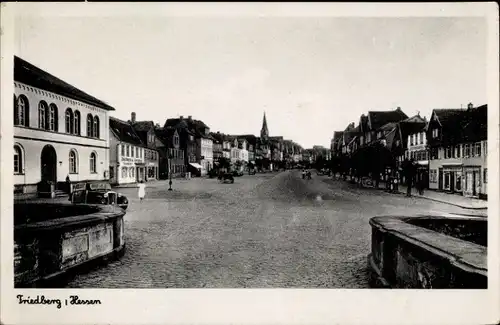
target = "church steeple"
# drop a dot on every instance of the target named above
(264, 132)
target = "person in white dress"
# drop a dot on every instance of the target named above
(142, 190)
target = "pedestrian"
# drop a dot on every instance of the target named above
(421, 184)
(68, 186)
(142, 190)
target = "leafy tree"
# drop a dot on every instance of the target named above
(224, 163)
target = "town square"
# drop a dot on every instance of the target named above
(270, 160)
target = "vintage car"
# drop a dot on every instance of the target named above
(223, 177)
(97, 193)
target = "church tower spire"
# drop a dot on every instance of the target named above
(264, 132)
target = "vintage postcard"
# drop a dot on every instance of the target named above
(284, 163)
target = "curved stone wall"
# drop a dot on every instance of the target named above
(428, 253)
(52, 239)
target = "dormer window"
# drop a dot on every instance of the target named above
(435, 133)
(176, 139)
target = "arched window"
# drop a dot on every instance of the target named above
(89, 125)
(124, 172)
(131, 172)
(16, 111)
(93, 162)
(52, 118)
(18, 160)
(42, 115)
(73, 162)
(96, 127)
(69, 121)
(22, 111)
(77, 123)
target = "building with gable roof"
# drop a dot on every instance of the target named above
(457, 140)
(146, 132)
(127, 153)
(59, 131)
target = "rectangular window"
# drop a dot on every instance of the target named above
(457, 149)
(123, 149)
(485, 175)
(132, 152)
(478, 149)
(421, 138)
(435, 133)
(467, 150)
(137, 152)
(128, 151)
(411, 140)
(485, 148)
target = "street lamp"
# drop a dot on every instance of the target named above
(170, 172)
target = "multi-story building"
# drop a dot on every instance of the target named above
(405, 139)
(377, 124)
(235, 150)
(217, 146)
(173, 159)
(59, 131)
(457, 140)
(188, 143)
(243, 146)
(146, 132)
(127, 153)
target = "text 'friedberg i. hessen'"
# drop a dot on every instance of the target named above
(42, 300)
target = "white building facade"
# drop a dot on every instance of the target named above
(127, 154)
(56, 135)
(206, 154)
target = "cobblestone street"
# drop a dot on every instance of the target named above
(267, 230)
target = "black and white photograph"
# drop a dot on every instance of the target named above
(224, 148)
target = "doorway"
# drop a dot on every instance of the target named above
(48, 164)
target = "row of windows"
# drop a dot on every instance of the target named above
(416, 139)
(48, 118)
(466, 151)
(72, 161)
(131, 151)
(175, 153)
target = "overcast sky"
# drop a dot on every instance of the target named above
(311, 76)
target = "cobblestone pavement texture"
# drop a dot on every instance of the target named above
(263, 231)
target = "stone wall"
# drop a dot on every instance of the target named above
(48, 246)
(405, 255)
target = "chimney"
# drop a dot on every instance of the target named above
(181, 117)
(133, 117)
(398, 109)
(470, 106)
(190, 118)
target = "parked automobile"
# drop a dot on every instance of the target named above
(223, 177)
(237, 173)
(97, 193)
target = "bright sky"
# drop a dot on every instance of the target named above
(311, 76)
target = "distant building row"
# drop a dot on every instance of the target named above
(450, 149)
(62, 132)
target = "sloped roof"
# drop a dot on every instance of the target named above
(29, 74)
(475, 126)
(452, 121)
(124, 132)
(143, 125)
(388, 126)
(380, 118)
(178, 123)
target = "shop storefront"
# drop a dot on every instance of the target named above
(472, 181)
(451, 177)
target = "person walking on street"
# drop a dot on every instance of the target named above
(409, 175)
(142, 190)
(68, 186)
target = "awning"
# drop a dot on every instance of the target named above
(195, 165)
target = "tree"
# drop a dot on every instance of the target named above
(224, 163)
